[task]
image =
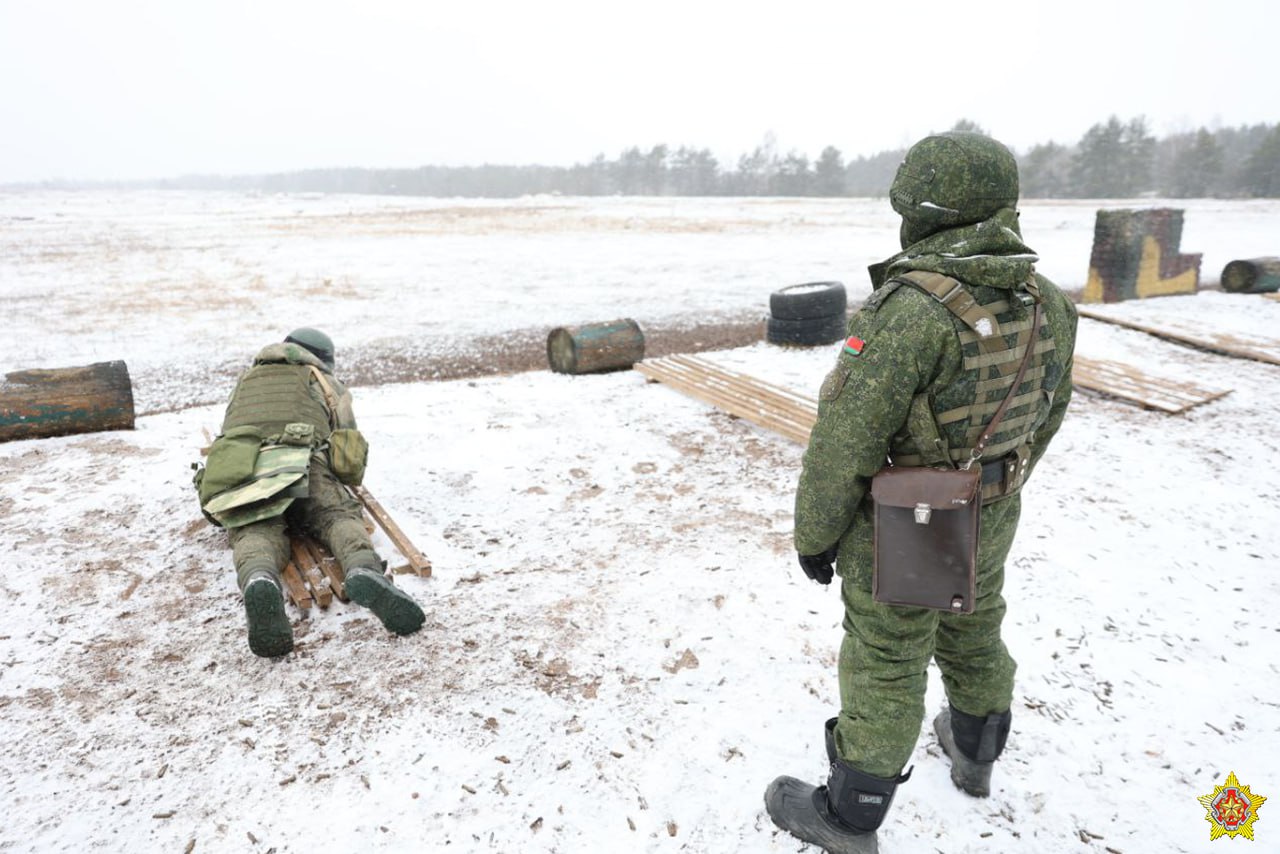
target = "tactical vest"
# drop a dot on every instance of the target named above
(274, 394)
(993, 339)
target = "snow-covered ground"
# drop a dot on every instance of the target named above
(177, 283)
(620, 651)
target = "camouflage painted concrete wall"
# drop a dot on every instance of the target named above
(1135, 255)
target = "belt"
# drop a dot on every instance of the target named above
(993, 472)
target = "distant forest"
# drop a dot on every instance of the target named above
(1114, 159)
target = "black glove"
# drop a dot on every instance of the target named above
(820, 567)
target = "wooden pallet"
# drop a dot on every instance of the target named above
(793, 415)
(312, 576)
(1117, 379)
(1258, 349)
(763, 404)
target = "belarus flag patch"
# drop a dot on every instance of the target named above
(854, 345)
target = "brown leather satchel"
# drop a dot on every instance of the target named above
(927, 523)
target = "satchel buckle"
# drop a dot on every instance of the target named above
(957, 603)
(923, 512)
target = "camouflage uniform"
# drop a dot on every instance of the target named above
(906, 344)
(329, 513)
(288, 409)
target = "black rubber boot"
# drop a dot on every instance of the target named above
(973, 744)
(395, 608)
(840, 817)
(829, 730)
(270, 634)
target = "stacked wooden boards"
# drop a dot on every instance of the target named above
(792, 415)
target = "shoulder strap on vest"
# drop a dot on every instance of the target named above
(955, 297)
(330, 402)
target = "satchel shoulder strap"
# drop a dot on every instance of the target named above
(981, 444)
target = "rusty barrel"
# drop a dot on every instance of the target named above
(1252, 276)
(614, 345)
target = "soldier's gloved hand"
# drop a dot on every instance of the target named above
(820, 567)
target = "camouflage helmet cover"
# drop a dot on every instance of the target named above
(319, 344)
(952, 179)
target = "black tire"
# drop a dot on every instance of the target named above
(813, 332)
(810, 301)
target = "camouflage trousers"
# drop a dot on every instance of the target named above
(330, 514)
(886, 650)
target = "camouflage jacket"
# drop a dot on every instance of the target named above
(909, 345)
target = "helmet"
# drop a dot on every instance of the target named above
(952, 179)
(315, 341)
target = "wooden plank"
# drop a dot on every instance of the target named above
(1128, 383)
(417, 560)
(296, 589)
(1260, 350)
(1275, 297)
(304, 560)
(328, 565)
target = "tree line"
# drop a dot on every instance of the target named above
(1114, 159)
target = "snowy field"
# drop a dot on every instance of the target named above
(183, 285)
(620, 651)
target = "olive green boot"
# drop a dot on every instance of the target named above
(270, 634)
(395, 608)
(973, 744)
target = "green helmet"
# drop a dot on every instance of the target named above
(952, 179)
(319, 344)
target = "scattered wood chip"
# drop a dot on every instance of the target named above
(537, 824)
(615, 754)
(672, 828)
(565, 764)
(253, 840)
(631, 824)
(468, 789)
(364, 778)
(292, 778)
(501, 788)
(503, 759)
(245, 722)
(163, 768)
(191, 846)
(165, 814)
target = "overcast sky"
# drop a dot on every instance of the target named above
(111, 89)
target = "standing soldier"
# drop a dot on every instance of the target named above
(931, 357)
(288, 444)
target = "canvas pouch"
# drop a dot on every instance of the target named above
(231, 461)
(926, 523)
(348, 455)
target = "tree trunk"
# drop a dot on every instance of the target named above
(1253, 276)
(43, 402)
(612, 346)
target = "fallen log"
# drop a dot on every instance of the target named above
(44, 402)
